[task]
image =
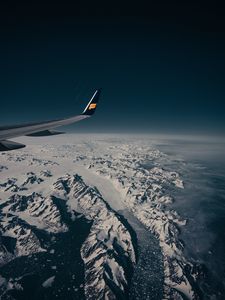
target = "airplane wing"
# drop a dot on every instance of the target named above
(42, 128)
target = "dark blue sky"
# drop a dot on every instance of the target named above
(161, 68)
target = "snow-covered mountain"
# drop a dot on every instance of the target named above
(107, 252)
(45, 191)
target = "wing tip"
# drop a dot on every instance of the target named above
(92, 104)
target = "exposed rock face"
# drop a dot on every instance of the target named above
(108, 252)
(20, 215)
(3, 168)
(21, 238)
(36, 210)
(37, 198)
(145, 192)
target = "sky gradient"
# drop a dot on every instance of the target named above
(161, 68)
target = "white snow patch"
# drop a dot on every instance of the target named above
(48, 283)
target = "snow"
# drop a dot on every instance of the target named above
(49, 282)
(115, 166)
(107, 189)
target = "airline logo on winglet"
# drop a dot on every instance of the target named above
(92, 106)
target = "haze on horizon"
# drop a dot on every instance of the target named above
(161, 70)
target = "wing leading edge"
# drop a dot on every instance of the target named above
(43, 128)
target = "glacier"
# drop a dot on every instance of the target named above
(119, 188)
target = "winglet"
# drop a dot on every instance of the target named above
(92, 104)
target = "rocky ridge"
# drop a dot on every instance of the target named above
(146, 191)
(108, 252)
